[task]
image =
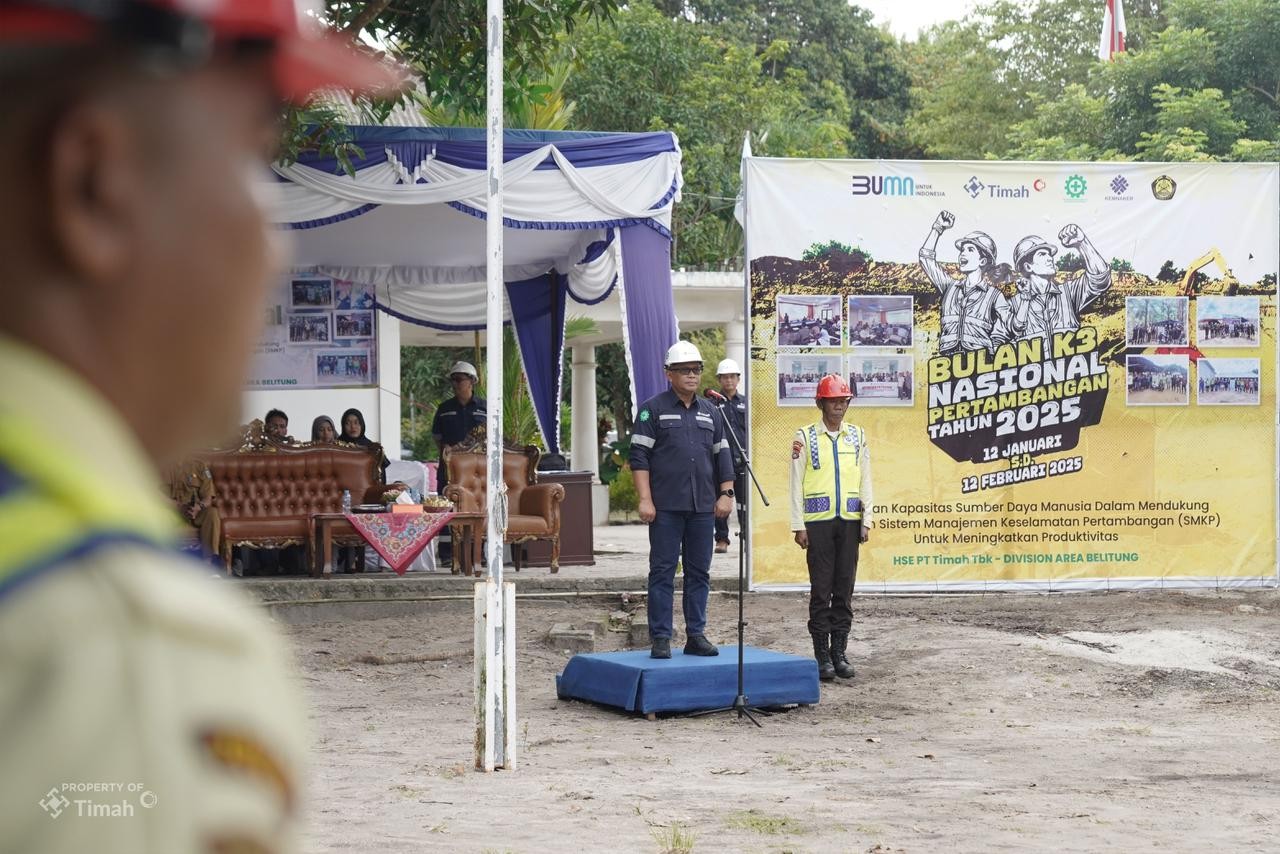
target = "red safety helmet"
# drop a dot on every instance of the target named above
(306, 55)
(832, 386)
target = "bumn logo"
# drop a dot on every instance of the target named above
(974, 187)
(882, 185)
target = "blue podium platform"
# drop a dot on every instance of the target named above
(635, 682)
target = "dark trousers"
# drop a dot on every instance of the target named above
(739, 497)
(833, 564)
(673, 536)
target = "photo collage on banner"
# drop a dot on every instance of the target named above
(1048, 360)
(319, 333)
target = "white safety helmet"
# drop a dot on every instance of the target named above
(465, 368)
(728, 366)
(682, 352)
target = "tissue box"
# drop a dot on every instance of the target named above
(406, 508)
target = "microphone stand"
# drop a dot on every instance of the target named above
(740, 704)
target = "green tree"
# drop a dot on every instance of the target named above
(960, 110)
(645, 71)
(443, 43)
(1198, 82)
(835, 44)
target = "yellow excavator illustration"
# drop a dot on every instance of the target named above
(1189, 290)
(1214, 256)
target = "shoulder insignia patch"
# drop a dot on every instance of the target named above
(644, 415)
(796, 447)
(243, 753)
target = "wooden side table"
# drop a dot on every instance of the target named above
(322, 534)
(466, 530)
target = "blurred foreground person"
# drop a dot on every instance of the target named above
(142, 707)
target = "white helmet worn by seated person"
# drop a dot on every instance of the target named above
(682, 352)
(728, 366)
(465, 368)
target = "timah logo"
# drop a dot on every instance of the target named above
(882, 185)
(54, 803)
(974, 187)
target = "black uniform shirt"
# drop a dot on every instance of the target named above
(454, 421)
(685, 451)
(736, 409)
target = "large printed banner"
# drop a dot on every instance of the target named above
(1066, 371)
(319, 333)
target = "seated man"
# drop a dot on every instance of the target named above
(276, 426)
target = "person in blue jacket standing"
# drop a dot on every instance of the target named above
(683, 473)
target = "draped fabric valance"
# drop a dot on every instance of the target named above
(409, 221)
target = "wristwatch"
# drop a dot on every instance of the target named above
(725, 493)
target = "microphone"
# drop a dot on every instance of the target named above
(712, 394)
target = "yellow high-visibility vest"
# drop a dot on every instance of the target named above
(833, 477)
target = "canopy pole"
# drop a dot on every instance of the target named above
(495, 692)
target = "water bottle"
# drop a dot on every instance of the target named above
(346, 501)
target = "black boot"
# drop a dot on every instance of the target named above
(822, 652)
(839, 661)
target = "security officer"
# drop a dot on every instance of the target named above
(728, 374)
(684, 476)
(454, 421)
(144, 707)
(831, 516)
(460, 414)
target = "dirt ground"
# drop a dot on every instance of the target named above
(1153, 397)
(1240, 398)
(1123, 721)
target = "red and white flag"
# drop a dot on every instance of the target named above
(1112, 41)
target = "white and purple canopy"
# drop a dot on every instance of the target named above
(583, 212)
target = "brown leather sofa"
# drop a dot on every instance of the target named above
(266, 491)
(533, 509)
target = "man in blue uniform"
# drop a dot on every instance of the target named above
(683, 474)
(457, 416)
(454, 421)
(728, 374)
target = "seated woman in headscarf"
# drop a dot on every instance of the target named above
(323, 431)
(353, 432)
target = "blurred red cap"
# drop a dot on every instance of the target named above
(307, 55)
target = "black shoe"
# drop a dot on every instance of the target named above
(699, 645)
(661, 648)
(822, 652)
(839, 661)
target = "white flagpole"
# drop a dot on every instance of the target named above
(494, 613)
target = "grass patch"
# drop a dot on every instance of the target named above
(673, 839)
(767, 825)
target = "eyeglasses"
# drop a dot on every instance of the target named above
(688, 372)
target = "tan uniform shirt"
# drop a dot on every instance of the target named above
(143, 707)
